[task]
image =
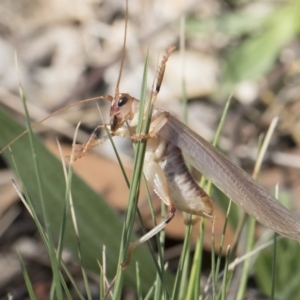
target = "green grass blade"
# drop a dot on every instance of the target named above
(138, 283)
(274, 267)
(177, 293)
(140, 147)
(133, 198)
(46, 218)
(27, 280)
(225, 277)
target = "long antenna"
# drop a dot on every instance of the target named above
(123, 51)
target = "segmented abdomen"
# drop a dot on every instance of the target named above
(185, 193)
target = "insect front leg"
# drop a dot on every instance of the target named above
(93, 141)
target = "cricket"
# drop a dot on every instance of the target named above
(167, 174)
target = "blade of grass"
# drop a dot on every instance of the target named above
(27, 279)
(46, 218)
(144, 121)
(31, 210)
(181, 282)
(28, 204)
(225, 278)
(183, 259)
(216, 267)
(251, 222)
(273, 285)
(193, 288)
(72, 211)
(138, 283)
(160, 239)
(193, 291)
(133, 195)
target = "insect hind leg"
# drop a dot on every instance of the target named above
(148, 235)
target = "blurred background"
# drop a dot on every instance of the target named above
(68, 51)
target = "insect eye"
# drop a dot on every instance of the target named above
(123, 100)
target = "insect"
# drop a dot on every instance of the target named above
(169, 177)
(166, 172)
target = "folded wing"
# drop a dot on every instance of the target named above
(231, 180)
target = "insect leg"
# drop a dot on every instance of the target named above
(150, 234)
(93, 141)
(157, 123)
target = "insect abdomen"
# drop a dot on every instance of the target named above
(185, 193)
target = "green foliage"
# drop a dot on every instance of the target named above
(256, 40)
(256, 55)
(287, 270)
